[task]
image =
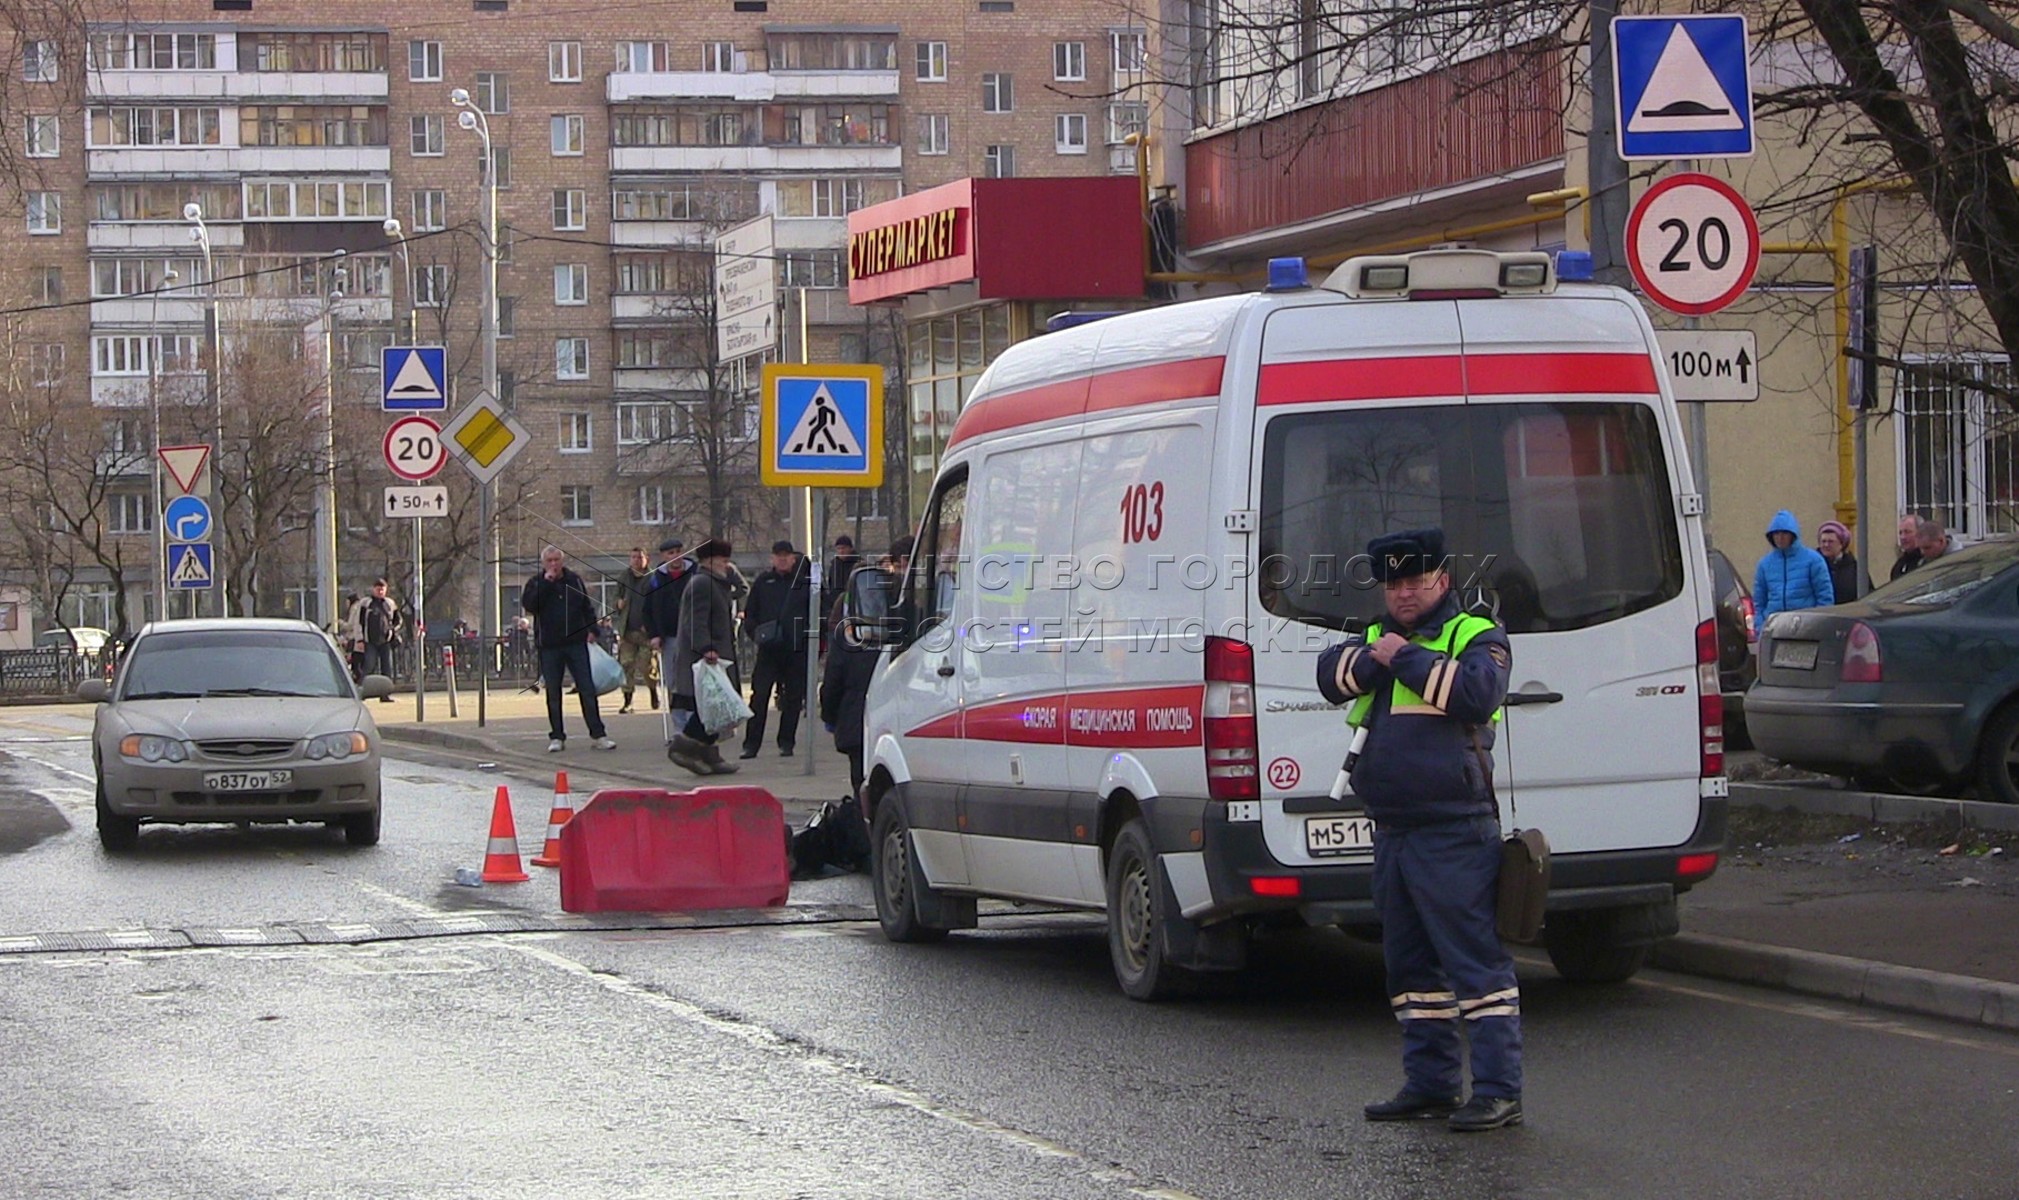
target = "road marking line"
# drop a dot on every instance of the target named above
(39, 761)
(1818, 1010)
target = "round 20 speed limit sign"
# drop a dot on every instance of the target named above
(1693, 244)
(415, 449)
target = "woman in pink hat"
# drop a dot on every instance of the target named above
(1833, 539)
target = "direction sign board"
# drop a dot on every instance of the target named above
(417, 501)
(188, 467)
(746, 283)
(485, 437)
(415, 449)
(186, 519)
(1682, 86)
(1711, 365)
(821, 425)
(189, 566)
(1693, 244)
(414, 378)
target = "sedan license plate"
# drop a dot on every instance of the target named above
(1329, 837)
(246, 781)
(1799, 656)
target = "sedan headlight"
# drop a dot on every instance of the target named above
(148, 748)
(339, 745)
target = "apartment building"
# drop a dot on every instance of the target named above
(287, 136)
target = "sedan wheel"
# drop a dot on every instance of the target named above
(115, 833)
(362, 829)
(1998, 758)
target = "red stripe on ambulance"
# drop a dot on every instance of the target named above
(1157, 718)
(1134, 387)
(1429, 376)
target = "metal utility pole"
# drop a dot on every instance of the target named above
(472, 118)
(168, 278)
(397, 233)
(1611, 197)
(326, 497)
(213, 380)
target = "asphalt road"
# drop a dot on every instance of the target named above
(815, 1060)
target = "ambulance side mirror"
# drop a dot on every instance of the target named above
(868, 608)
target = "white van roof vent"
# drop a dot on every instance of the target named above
(1444, 275)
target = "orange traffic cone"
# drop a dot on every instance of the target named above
(564, 808)
(501, 860)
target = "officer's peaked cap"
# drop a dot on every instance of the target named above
(1407, 554)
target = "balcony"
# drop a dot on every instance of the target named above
(181, 162)
(657, 380)
(122, 464)
(725, 159)
(186, 308)
(341, 86)
(661, 233)
(660, 309)
(134, 391)
(159, 235)
(751, 87)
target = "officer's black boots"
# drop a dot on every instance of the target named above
(1482, 1113)
(1413, 1106)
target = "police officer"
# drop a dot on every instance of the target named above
(1427, 685)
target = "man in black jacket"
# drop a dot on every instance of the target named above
(662, 623)
(564, 623)
(774, 619)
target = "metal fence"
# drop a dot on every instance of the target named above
(48, 671)
(54, 673)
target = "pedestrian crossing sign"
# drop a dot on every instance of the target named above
(189, 565)
(822, 425)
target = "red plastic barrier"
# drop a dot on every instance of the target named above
(640, 850)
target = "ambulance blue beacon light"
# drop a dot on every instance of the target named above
(1287, 275)
(1574, 266)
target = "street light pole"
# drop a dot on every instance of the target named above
(472, 118)
(326, 499)
(168, 278)
(395, 232)
(213, 379)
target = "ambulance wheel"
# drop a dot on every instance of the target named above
(897, 879)
(1584, 947)
(1136, 916)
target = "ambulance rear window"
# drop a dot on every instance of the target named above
(1561, 511)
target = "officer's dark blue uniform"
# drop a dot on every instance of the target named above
(1422, 775)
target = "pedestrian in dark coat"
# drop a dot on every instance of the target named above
(564, 623)
(707, 634)
(844, 696)
(1847, 581)
(662, 620)
(1426, 684)
(775, 620)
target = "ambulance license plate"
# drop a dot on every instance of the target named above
(1799, 656)
(246, 781)
(1330, 837)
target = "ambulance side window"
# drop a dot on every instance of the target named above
(936, 566)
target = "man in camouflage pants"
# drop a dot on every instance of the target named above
(634, 643)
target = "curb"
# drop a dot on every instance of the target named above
(1877, 807)
(1982, 1002)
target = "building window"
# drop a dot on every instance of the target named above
(433, 284)
(45, 137)
(566, 134)
(1069, 61)
(504, 167)
(1069, 131)
(1131, 51)
(491, 94)
(643, 275)
(931, 62)
(424, 62)
(45, 364)
(564, 62)
(132, 354)
(933, 135)
(38, 61)
(810, 269)
(571, 208)
(49, 285)
(571, 354)
(311, 125)
(648, 505)
(571, 283)
(718, 57)
(163, 201)
(356, 53)
(646, 348)
(45, 212)
(1127, 117)
(424, 136)
(725, 201)
(316, 199)
(999, 162)
(1959, 445)
(156, 127)
(576, 508)
(577, 433)
(997, 96)
(153, 51)
(129, 512)
(644, 424)
(641, 56)
(431, 210)
(831, 197)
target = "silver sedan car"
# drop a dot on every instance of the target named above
(239, 719)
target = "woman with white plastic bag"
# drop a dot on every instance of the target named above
(707, 633)
(720, 705)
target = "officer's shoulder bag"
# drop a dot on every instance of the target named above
(1524, 871)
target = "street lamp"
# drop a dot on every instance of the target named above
(397, 233)
(472, 119)
(326, 499)
(168, 278)
(212, 383)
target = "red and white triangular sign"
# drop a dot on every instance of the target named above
(185, 464)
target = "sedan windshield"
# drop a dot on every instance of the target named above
(1951, 577)
(223, 662)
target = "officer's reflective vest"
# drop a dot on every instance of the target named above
(1451, 642)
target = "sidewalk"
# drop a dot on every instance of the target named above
(515, 732)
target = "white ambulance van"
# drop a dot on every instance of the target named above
(1099, 690)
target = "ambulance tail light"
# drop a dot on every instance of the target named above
(1233, 751)
(1861, 656)
(1691, 868)
(1710, 702)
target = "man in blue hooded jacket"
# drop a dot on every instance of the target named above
(1790, 576)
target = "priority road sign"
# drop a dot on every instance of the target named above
(187, 519)
(1693, 244)
(189, 566)
(485, 437)
(1709, 365)
(186, 467)
(415, 378)
(821, 425)
(1682, 86)
(415, 449)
